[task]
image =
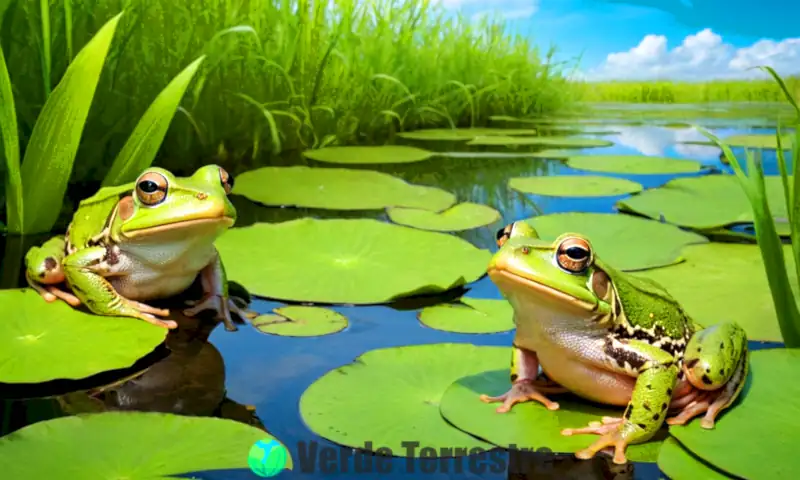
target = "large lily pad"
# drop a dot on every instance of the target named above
(471, 315)
(463, 216)
(527, 425)
(391, 395)
(680, 464)
(117, 445)
(337, 189)
(574, 186)
(457, 134)
(704, 203)
(624, 241)
(633, 164)
(355, 155)
(764, 424)
(765, 141)
(301, 321)
(43, 341)
(565, 142)
(347, 261)
(554, 153)
(725, 281)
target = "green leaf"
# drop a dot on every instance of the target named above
(369, 154)
(461, 134)
(633, 164)
(574, 186)
(301, 321)
(56, 136)
(460, 217)
(680, 464)
(471, 315)
(142, 146)
(563, 142)
(10, 136)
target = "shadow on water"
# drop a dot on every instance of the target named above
(266, 375)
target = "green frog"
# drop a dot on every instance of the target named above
(145, 240)
(609, 337)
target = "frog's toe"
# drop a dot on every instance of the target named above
(521, 391)
(606, 426)
(168, 324)
(221, 306)
(613, 439)
(143, 307)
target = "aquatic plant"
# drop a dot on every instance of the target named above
(753, 184)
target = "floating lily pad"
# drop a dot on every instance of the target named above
(566, 142)
(347, 261)
(704, 203)
(766, 141)
(724, 281)
(301, 321)
(337, 189)
(472, 315)
(633, 164)
(574, 186)
(391, 395)
(463, 216)
(44, 341)
(624, 241)
(527, 425)
(680, 464)
(455, 134)
(127, 445)
(554, 153)
(764, 424)
(360, 155)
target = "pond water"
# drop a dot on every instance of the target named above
(272, 372)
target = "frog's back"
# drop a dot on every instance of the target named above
(93, 212)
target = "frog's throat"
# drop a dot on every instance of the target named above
(544, 290)
(180, 225)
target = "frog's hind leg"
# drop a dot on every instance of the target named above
(44, 270)
(216, 297)
(526, 383)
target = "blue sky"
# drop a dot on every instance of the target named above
(652, 39)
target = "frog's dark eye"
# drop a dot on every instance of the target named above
(151, 188)
(574, 254)
(226, 179)
(503, 235)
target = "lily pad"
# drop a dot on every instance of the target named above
(554, 153)
(704, 203)
(360, 261)
(680, 464)
(764, 423)
(725, 281)
(301, 321)
(361, 155)
(337, 189)
(633, 164)
(765, 141)
(574, 186)
(455, 134)
(472, 315)
(127, 445)
(565, 142)
(528, 425)
(43, 341)
(624, 241)
(391, 396)
(463, 216)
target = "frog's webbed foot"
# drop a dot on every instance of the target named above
(51, 293)
(522, 390)
(222, 307)
(614, 433)
(710, 403)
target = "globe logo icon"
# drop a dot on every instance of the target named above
(267, 458)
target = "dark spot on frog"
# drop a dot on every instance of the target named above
(649, 387)
(656, 416)
(663, 406)
(514, 377)
(706, 380)
(722, 371)
(669, 392)
(721, 345)
(622, 356)
(112, 256)
(699, 349)
(628, 413)
(691, 363)
(647, 407)
(641, 425)
(50, 263)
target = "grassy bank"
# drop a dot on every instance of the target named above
(277, 76)
(686, 92)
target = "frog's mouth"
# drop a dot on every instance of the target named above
(507, 280)
(186, 226)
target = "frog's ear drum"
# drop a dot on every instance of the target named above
(226, 179)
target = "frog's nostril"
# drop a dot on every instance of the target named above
(202, 196)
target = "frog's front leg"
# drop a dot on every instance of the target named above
(658, 374)
(715, 363)
(525, 383)
(84, 271)
(43, 270)
(215, 296)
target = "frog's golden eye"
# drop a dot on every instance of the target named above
(151, 188)
(226, 179)
(503, 234)
(574, 254)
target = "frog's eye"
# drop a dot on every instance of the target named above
(151, 188)
(503, 234)
(574, 254)
(226, 179)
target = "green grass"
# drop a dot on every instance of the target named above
(687, 92)
(275, 77)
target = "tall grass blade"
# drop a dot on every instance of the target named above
(44, 6)
(784, 88)
(142, 146)
(68, 27)
(54, 141)
(10, 137)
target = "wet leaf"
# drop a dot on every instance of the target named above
(42, 341)
(450, 134)
(529, 424)
(574, 186)
(471, 315)
(679, 464)
(301, 321)
(624, 241)
(633, 164)
(391, 395)
(463, 216)
(347, 261)
(369, 154)
(554, 153)
(565, 142)
(767, 141)
(337, 189)
(127, 445)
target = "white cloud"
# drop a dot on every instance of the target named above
(703, 55)
(657, 141)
